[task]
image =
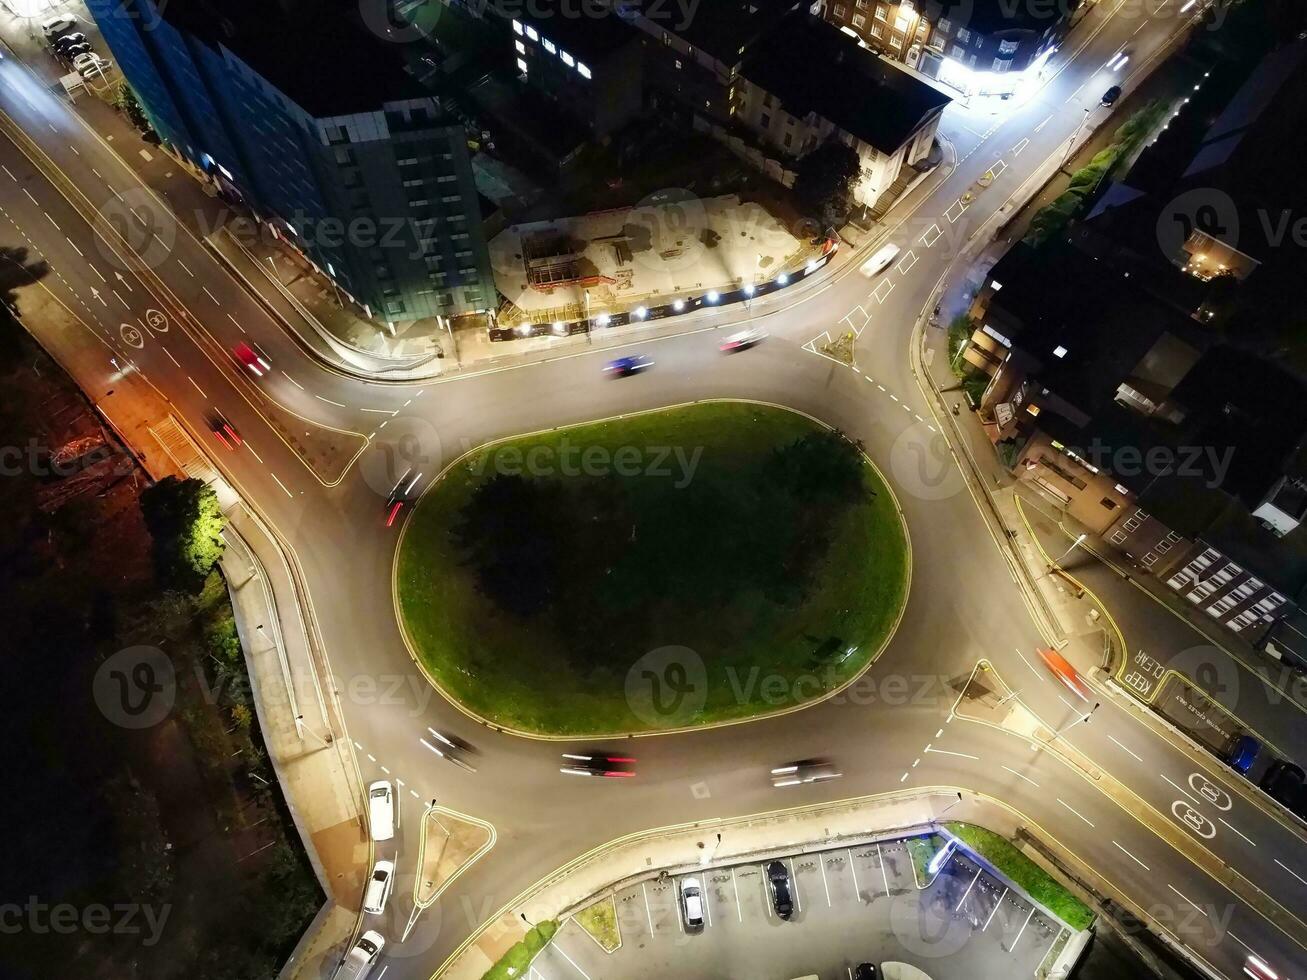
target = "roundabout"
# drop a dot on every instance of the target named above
(690, 566)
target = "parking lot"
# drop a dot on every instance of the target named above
(851, 905)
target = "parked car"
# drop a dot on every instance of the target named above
(866, 971)
(778, 885)
(362, 957)
(72, 52)
(877, 263)
(1110, 96)
(1286, 783)
(57, 25)
(381, 810)
(77, 37)
(95, 69)
(379, 886)
(692, 904)
(1242, 752)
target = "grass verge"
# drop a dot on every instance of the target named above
(521, 953)
(922, 849)
(600, 920)
(1034, 880)
(690, 570)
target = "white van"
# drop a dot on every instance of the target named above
(877, 263)
(379, 885)
(360, 960)
(381, 810)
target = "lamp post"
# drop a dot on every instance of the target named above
(1074, 545)
(1072, 141)
(1072, 724)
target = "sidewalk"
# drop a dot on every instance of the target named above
(690, 847)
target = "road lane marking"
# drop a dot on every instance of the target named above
(292, 380)
(1043, 124)
(573, 962)
(1113, 738)
(52, 221)
(282, 485)
(235, 321)
(1132, 857)
(647, 910)
(883, 875)
(739, 909)
(1180, 788)
(252, 452)
(124, 302)
(1075, 811)
(707, 902)
(197, 387)
(1023, 929)
(1289, 869)
(1020, 776)
(170, 357)
(30, 198)
(1030, 665)
(1240, 942)
(994, 909)
(1187, 899)
(329, 401)
(947, 752)
(903, 778)
(186, 267)
(380, 411)
(11, 176)
(97, 272)
(210, 295)
(74, 245)
(968, 891)
(1068, 704)
(821, 864)
(1238, 831)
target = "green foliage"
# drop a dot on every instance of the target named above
(825, 181)
(520, 954)
(1037, 883)
(222, 640)
(185, 521)
(132, 108)
(960, 330)
(974, 385)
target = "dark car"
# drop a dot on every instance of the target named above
(866, 971)
(624, 367)
(598, 764)
(73, 50)
(77, 37)
(778, 884)
(1111, 95)
(225, 432)
(1286, 783)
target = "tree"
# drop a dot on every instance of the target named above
(186, 524)
(826, 180)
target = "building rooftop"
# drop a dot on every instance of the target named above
(589, 31)
(321, 55)
(998, 17)
(812, 66)
(724, 28)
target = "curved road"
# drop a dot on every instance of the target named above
(962, 606)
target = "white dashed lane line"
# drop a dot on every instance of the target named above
(1132, 857)
(329, 401)
(197, 387)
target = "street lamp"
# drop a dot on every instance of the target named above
(1072, 724)
(1072, 141)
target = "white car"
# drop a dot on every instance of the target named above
(94, 68)
(692, 903)
(878, 262)
(379, 885)
(360, 960)
(381, 810)
(742, 340)
(57, 25)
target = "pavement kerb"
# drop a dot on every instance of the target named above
(480, 852)
(994, 815)
(765, 716)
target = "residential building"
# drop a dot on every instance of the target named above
(976, 46)
(309, 118)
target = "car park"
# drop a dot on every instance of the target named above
(1110, 96)
(692, 904)
(381, 810)
(362, 957)
(877, 264)
(379, 886)
(780, 888)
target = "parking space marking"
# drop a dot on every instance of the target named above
(994, 909)
(707, 902)
(821, 864)
(798, 903)
(572, 961)
(1016, 150)
(739, 909)
(857, 889)
(906, 263)
(647, 911)
(929, 239)
(1022, 929)
(968, 891)
(883, 875)
(887, 285)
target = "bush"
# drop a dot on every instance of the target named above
(520, 955)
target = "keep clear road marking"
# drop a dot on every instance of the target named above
(906, 263)
(1124, 748)
(1132, 857)
(1020, 776)
(931, 236)
(994, 909)
(1075, 811)
(884, 877)
(739, 909)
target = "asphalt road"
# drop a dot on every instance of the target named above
(962, 604)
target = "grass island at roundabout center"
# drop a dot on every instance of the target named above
(682, 567)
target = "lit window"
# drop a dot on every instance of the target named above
(1059, 351)
(568, 59)
(1032, 408)
(549, 46)
(517, 26)
(521, 64)
(533, 34)
(585, 72)
(521, 48)
(995, 285)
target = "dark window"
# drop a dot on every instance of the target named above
(1109, 503)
